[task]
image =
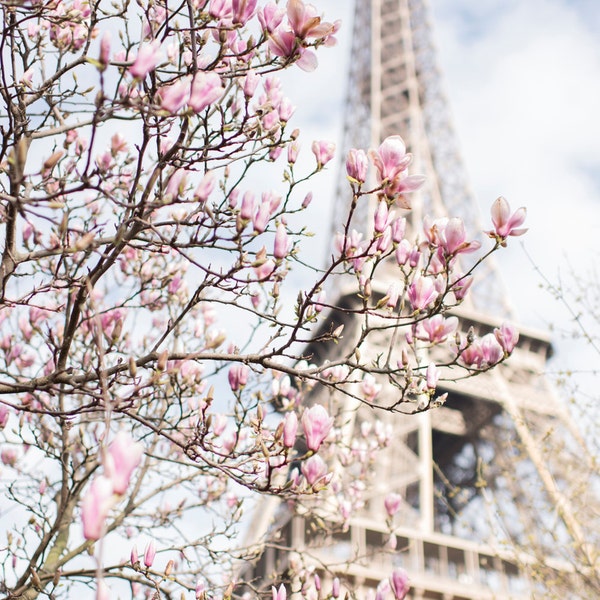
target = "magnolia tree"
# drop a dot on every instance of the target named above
(153, 348)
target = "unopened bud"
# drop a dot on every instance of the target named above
(169, 567)
(132, 366)
(51, 161)
(161, 363)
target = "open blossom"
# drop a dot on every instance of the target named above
(381, 218)
(317, 425)
(270, 16)
(95, 506)
(173, 97)
(505, 223)
(238, 376)
(432, 376)
(491, 351)
(146, 60)
(304, 20)
(323, 151)
(149, 554)
(122, 458)
(422, 292)
(205, 187)
(391, 162)
(453, 238)
(284, 43)
(369, 387)
(104, 57)
(436, 329)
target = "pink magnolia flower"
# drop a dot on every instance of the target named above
(9, 457)
(220, 9)
(282, 243)
(248, 205)
(453, 238)
(286, 110)
(122, 458)
(314, 469)
(95, 506)
(471, 355)
(290, 428)
(206, 89)
(284, 43)
(391, 162)
(437, 328)
(317, 424)
(505, 223)
(491, 351)
(238, 376)
(292, 154)
(278, 594)
(305, 22)
(422, 292)
(507, 336)
(323, 151)
(146, 60)
(391, 158)
(270, 17)
(403, 252)
(149, 554)
(243, 10)
(399, 584)
(205, 187)
(173, 97)
(392, 503)
(356, 165)
(176, 185)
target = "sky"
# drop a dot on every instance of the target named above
(522, 81)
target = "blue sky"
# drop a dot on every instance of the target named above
(523, 84)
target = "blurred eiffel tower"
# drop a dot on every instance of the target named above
(500, 465)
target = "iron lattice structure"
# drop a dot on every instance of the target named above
(500, 465)
(395, 87)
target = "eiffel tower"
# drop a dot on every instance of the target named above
(500, 464)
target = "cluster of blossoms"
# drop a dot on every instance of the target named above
(144, 289)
